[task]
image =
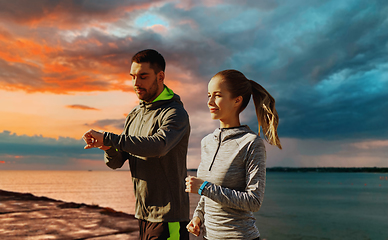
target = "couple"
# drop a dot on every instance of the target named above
(231, 175)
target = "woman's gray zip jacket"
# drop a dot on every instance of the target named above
(233, 162)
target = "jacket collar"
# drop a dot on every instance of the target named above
(165, 97)
(167, 94)
(228, 133)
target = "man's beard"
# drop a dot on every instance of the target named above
(150, 94)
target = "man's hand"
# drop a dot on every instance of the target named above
(193, 184)
(94, 139)
(194, 226)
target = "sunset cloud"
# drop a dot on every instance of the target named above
(68, 14)
(81, 107)
(324, 63)
(115, 125)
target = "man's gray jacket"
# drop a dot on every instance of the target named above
(155, 140)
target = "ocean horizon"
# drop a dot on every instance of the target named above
(297, 205)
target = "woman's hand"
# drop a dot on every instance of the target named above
(194, 226)
(193, 184)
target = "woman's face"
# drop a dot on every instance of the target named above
(221, 105)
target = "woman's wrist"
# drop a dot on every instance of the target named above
(202, 187)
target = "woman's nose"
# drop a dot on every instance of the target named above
(210, 102)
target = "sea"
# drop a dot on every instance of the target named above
(297, 205)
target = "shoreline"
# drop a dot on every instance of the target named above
(323, 169)
(24, 215)
(330, 169)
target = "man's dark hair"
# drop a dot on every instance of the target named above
(155, 59)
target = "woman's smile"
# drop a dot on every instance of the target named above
(213, 110)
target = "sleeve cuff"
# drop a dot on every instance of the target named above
(106, 139)
(202, 187)
(198, 214)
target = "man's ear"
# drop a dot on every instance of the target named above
(160, 76)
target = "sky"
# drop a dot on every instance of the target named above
(64, 69)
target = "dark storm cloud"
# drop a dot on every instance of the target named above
(329, 78)
(345, 116)
(337, 87)
(325, 63)
(352, 39)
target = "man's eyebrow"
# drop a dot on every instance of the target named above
(141, 74)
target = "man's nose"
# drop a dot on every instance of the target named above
(135, 81)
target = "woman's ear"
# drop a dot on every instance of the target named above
(238, 101)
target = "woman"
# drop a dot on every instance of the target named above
(231, 175)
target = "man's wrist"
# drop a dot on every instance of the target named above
(104, 148)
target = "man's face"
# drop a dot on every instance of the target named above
(145, 82)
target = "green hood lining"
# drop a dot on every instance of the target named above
(167, 94)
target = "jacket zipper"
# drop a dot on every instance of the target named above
(141, 121)
(218, 147)
(138, 134)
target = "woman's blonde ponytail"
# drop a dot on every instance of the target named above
(266, 113)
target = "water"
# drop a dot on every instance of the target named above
(324, 206)
(296, 205)
(112, 189)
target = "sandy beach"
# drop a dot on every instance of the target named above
(25, 216)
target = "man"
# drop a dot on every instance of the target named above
(154, 140)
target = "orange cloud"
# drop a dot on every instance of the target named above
(34, 63)
(68, 61)
(67, 14)
(24, 50)
(82, 107)
(56, 68)
(60, 69)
